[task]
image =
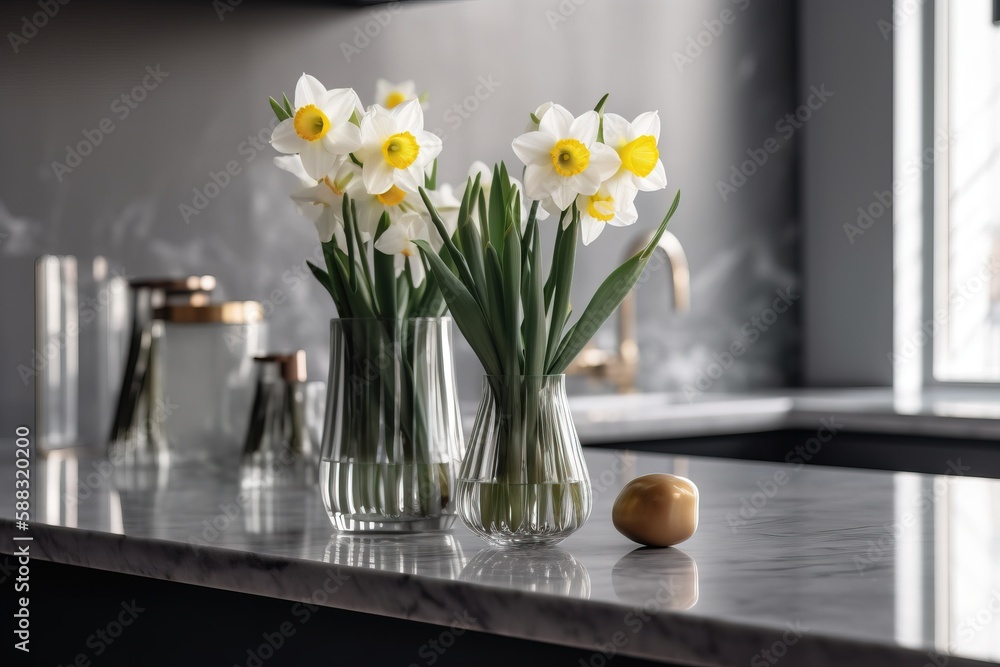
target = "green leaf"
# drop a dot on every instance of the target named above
(550, 284)
(361, 245)
(385, 274)
(563, 283)
(288, 105)
(600, 111)
(278, 111)
(465, 310)
(449, 244)
(512, 301)
(607, 298)
(346, 212)
(534, 308)
(430, 180)
(494, 283)
(496, 218)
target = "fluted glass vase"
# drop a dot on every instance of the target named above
(524, 480)
(392, 436)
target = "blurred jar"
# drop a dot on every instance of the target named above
(205, 361)
(279, 450)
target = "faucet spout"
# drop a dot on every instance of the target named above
(680, 276)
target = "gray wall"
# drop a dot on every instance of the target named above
(123, 200)
(847, 159)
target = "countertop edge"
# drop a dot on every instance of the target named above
(678, 637)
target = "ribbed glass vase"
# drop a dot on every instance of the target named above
(392, 436)
(524, 480)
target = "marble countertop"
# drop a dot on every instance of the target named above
(944, 412)
(826, 566)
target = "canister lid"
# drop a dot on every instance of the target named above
(176, 285)
(226, 312)
(292, 365)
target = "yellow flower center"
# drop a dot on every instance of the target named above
(601, 207)
(311, 123)
(400, 150)
(391, 197)
(569, 157)
(640, 155)
(395, 99)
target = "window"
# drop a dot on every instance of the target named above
(947, 141)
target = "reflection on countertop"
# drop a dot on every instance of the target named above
(878, 568)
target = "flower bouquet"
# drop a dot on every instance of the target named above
(392, 435)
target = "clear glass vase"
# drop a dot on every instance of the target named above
(524, 480)
(392, 436)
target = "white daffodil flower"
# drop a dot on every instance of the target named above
(486, 183)
(322, 203)
(395, 148)
(447, 206)
(393, 201)
(563, 159)
(635, 143)
(320, 130)
(391, 95)
(398, 239)
(602, 208)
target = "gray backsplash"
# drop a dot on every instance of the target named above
(722, 89)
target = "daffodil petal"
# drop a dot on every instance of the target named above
(393, 240)
(377, 124)
(564, 193)
(656, 180)
(410, 179)
(293, 165)
(616, 130)
(584, 127)
(590, 229)
(539, 181)
(285, 140)
(533, 147)
(645, 123)
(338, 104)
(604, 161)
(316, 160)
(308, 90)
(409, 115)
(342, 139)
(430, 146)
(416, 268)
(556, 121)
(377, 176)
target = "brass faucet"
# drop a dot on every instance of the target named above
(621, 366)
